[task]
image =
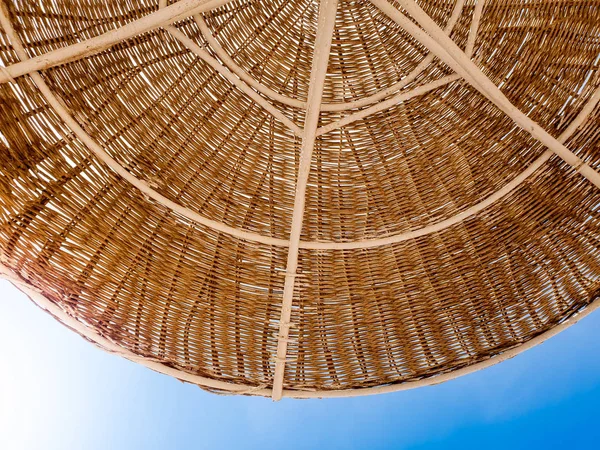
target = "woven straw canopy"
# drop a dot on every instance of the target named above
(303, 198)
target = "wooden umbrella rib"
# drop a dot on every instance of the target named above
(227, 73)
(477, 13)
(341, 106)
(326, 22)
(434, 38)
(404, 81)
(398, 98)
(235, 68)
(205, 56)
(170, 14)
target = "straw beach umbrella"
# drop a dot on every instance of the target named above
(303, 198)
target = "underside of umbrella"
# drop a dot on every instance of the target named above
(303, 198)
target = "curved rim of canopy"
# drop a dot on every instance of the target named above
(227, 388)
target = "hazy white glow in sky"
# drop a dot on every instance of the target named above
(58, 391)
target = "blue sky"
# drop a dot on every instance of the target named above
(59, 392)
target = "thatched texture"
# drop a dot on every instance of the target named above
(318, 197)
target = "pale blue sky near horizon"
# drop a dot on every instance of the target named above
(58, 391)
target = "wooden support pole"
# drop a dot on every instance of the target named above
(327, 13)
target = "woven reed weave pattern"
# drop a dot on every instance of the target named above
(166, 284)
